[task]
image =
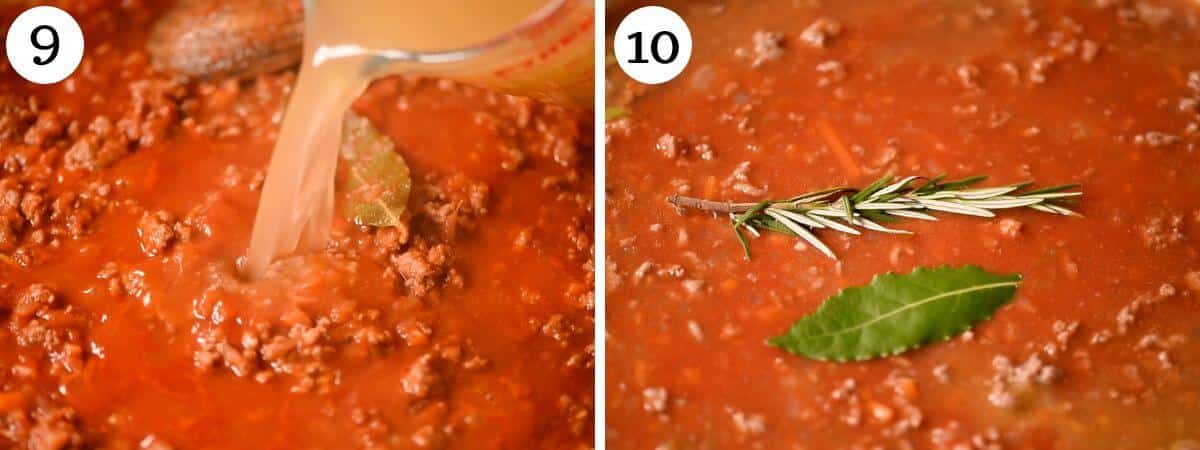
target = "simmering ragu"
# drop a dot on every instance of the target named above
(1064, 332)
(127, 195)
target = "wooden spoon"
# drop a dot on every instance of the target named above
(212, 39)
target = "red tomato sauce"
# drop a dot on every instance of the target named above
(1100, 348)
(127, 195)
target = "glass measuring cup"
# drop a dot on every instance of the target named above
(546, 55)
(549, 58)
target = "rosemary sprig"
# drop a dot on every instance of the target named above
(847, 209)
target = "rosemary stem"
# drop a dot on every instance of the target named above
(685, 202)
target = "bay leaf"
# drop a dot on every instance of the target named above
(612, 113)
(895, 313)
(377, 181)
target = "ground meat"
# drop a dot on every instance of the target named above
(422, 379)
(1156, 139)
(672, 271)
(206, 356)
(453, 203)
(941, 372)
(1162, 232)
(968, 75)
(34, 299)
(1188, 105)
(414, 333)
(1010, 228)
(240, 177)
(91, 153)
(767, 46)
(693, 286)
(156, 232)
(10, 232)
(146, 121)
(1011, 70)
(48, 126)
(155, 108)
(45, 426)
(55, 430)
(1033, 369)
(831, 72)
(750, 424)
(428, 436)
(392, 239)
(654, 400)
(1008, 378)
(294, 344)
(1127, 315)
(1192, 281)
(559, 328)
(1038, 68)
(16, 113)
(372, 335)
(133, 283)
(739, 180)
(373, 431)
(26, 211)
(819, 33)
(421, 268)
(152, 442)
(1153, 15)
(642, 270)
(73, 213)
(1089, 50)
(34, 208)
(669, 146)
(1000, 397)
(266, 352)
(1063, 331)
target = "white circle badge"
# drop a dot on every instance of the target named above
(44, 45)
(652, 45)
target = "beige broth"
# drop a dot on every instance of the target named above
(296, 207)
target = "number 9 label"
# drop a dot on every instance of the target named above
(652, 45)
(44, 45)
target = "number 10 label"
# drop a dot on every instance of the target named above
(44, 45)
(652, 45)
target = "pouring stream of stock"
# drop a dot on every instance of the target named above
(297, 204)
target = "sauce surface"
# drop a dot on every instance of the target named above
(126, 197)
(1099, 349)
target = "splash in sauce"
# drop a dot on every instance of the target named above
(347, 44)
